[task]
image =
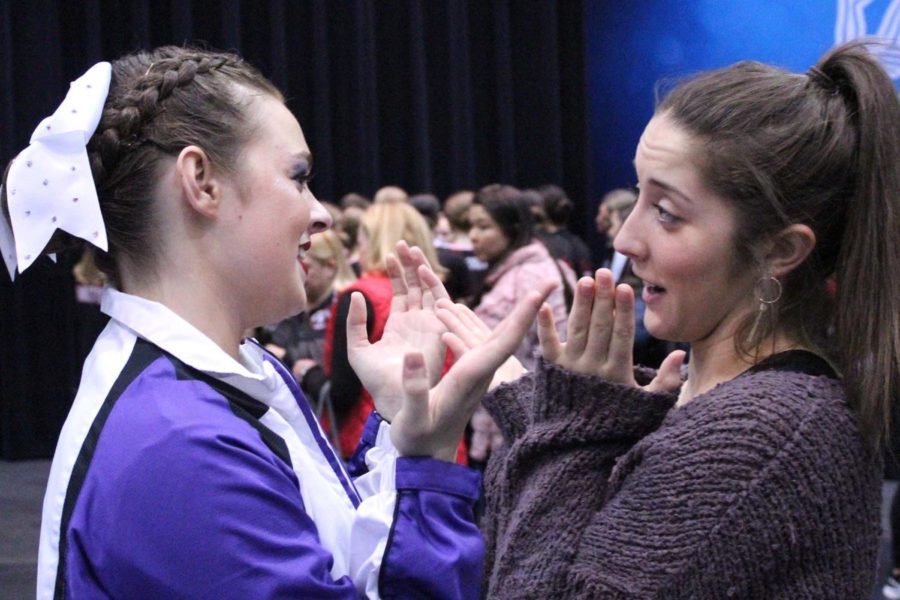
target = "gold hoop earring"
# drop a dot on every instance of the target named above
(768, 291)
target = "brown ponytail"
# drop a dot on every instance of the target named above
(868, 264)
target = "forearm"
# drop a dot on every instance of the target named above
(543, 489)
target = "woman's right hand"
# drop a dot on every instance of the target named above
(600, 335)
(432, 419)
(471, 331)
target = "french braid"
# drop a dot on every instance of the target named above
(160, 102)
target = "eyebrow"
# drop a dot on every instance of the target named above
(670, 189)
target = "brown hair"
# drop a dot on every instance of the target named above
(456, 209)
(158, 103)
(508, 207)
(821, 149)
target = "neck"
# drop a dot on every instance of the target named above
(717, 361)
(319, 298)
(185, 294)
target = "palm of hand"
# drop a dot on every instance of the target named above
(379, 365)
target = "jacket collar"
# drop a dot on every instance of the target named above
(159, 325)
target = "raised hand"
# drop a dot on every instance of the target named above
(432, 419)
(471, 331)
(411, 326)
(601, 335)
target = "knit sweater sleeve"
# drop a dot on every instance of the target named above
(760, 488)
(554, 468)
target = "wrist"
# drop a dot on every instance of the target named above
(446, 454)
(387, 406)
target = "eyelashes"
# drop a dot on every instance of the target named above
(664, 216)
(303, 177)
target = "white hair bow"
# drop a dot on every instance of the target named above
(49, 185)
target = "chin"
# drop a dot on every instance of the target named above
(658, 329)
(294, 305)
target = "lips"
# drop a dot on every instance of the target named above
(301, 250)
(651, 291)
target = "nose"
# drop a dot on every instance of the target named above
(319, 217)
(627, 240)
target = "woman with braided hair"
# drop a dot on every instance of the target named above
(190, 465)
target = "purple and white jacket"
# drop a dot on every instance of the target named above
(183, 473)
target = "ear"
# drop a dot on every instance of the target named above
(200, 188)
(789, 248)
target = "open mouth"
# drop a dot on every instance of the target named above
(652, 292)
(301, 256)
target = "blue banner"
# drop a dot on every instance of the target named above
(633, 44)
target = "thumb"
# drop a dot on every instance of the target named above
(415, 389)
(357, 334)
(668, 378)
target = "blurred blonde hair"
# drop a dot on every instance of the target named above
(390, 193)
(327, 248)
(386, 223)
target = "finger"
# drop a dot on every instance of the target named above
(415, 394)
(455, 326)
(507, 336)
(398, 284)
(429, 278)
(551, 347)
(410, 271)
(621, 343)
(668, 378)
(456, 345)
(472, 321)
(428, 300)
(602, 319)
(580, 317)
(357, 334)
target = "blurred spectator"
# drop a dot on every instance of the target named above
(502, 235)
(555, 234)
(457, 277)
(299, 341)
(614, 208)
(354, 200)
(352, 208)
(456, 210)
(391, 193)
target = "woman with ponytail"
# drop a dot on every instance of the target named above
(753, 471)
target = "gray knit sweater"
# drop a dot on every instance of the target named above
(761, 488)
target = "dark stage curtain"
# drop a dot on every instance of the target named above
(435, 95)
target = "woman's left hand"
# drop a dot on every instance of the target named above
(600, 335)
(411, 327)
(471, 331)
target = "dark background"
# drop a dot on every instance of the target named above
(431, 96)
